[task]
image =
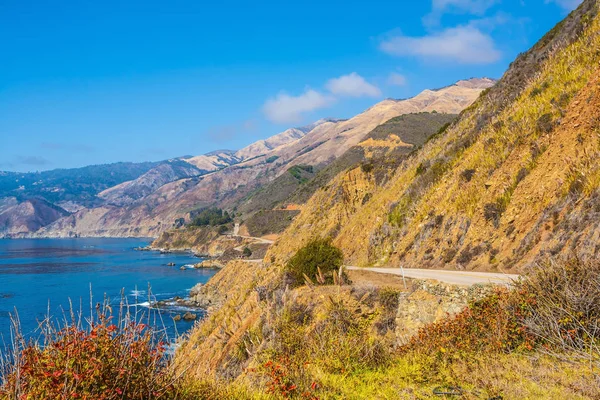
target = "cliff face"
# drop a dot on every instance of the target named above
(513, 179)
(197, 239)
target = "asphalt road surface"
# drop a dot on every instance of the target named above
(465, 278)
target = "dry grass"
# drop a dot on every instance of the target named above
(516, 153)
(566, 312)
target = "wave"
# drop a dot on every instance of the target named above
(168, 306)
(145, 304)
(184, 308)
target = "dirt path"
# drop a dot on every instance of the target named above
(258, 239)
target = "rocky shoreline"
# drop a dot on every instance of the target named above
(207, 262)
(200, 301)
(210, 296)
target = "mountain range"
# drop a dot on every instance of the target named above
(144, 200)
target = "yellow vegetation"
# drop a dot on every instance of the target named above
(525, 161)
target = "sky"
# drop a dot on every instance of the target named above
(94, 82)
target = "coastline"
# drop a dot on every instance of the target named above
(69, 268)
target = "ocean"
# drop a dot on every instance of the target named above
(40, 277)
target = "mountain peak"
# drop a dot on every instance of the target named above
(310, 127)
(477, 83)
(219, 152)
(449, 99)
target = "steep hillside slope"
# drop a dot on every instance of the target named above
(128, 192)
(27, 216)
(264, 146)
(514, 178)
(327, 140)
(388, 143)
(518, 171)
(333, 142)
(213, 161)
(78, 186)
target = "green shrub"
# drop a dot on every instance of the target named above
(421, 169)
(492, 212)
(545, 124)
(247, 252)
(299, 172)
(367, 167)
(210, 217)
(468, 174)
(319, 254)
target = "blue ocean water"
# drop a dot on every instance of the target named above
(41, 275)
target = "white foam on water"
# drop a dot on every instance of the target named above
(184, 308)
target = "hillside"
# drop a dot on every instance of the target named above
(512, 180)
(323, 142)
(37, 199)
(99, 186)
(130, 191)
(516, 174)
(27, 216)
(511, 184)
(213, 161)
(78, 186)
(388, 143)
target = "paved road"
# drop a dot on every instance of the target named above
(466, 278)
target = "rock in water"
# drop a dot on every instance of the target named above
(188, 316)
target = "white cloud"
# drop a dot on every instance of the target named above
(352, 85)
(284, 108)
(396, 79)
(463, 44)
(567, 5)
(472, 7)
(463, 6)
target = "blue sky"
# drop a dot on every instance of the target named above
(89, 82)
